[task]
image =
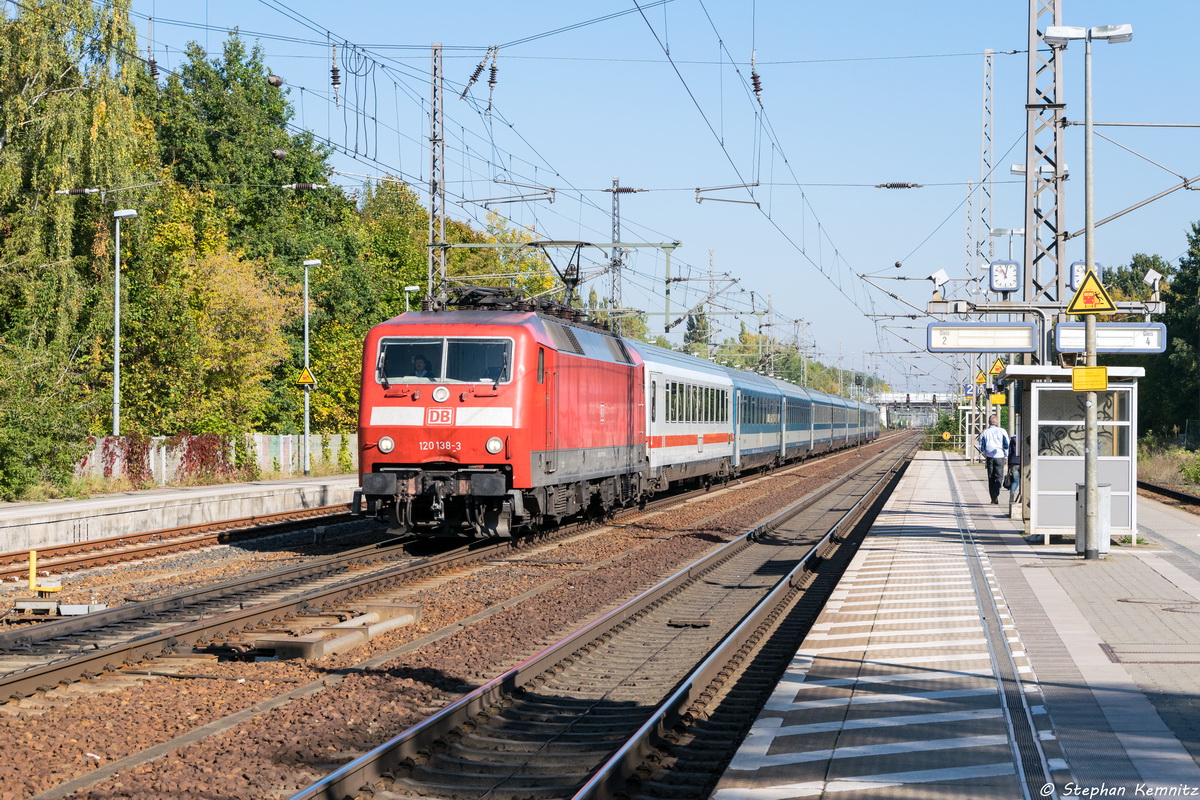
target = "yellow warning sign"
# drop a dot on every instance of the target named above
(998, 399)
(306, 378)
(1089, 379)
(1090, 298)
(981, 378)
(997, 367)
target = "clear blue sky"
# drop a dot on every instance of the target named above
(853, 94)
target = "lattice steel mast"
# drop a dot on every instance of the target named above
(1045, 170)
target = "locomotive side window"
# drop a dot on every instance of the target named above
(541, 365)
(479, 360)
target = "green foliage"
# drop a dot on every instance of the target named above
(345, 461)
(1191, 470)
(526, 267)
(1168, 394)
(245, 461)
(43, 421)
(935, 438)
(696, 335)
(65, 123)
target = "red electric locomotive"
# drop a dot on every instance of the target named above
(496, 415)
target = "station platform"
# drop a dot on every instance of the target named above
(29, 526)
(956, 659)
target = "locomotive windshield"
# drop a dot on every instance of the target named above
(441, 360)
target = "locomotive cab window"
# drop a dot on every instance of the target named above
(428, 360)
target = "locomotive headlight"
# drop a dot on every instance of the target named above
(441, 394)
(386, 445)
(494, 445)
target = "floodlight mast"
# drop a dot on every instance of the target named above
(1057, 36)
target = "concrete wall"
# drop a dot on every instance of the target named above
(25, 526)
(275, 455)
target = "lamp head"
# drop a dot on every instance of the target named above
(1152, 278)
(125, 213)
(1059, 35)
(313, 262)
(411, 289)
(1113, 34)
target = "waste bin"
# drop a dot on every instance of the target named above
(1103, 517)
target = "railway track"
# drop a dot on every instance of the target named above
(39, 657)
(582, 717)
(270, 727)
(130, 547)
(1167, 491)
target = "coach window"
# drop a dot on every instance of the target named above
(653, 400)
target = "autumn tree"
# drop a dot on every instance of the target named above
(66, 123)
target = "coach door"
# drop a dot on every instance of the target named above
(737, 428)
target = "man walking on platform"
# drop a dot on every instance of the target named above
(993, 443)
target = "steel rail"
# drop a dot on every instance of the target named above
(385, 759)
(77, 555)
(91, 662)
(702, 683)
(168, 640)
(1167, 491)
(172, 639)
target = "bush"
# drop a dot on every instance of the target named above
(205, 457)
(1191, 469)
(344, 459)
(934, 439)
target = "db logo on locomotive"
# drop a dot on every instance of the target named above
(439, 416)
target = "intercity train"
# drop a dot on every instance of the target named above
(502, 415)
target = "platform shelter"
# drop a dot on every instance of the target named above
(1051, 440)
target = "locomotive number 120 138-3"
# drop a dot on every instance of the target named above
(452, 446)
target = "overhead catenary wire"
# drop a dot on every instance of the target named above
(347, 147)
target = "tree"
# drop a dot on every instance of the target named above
(526, 268)
(1172, 379)
(696, 335)
(392, 248)
(66, 122)
(221, 335)
(221, 126)
(1125, 281)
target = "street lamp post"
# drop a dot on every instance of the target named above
(315, 262)
(1058, 36)
(125, 213)
(408, 290)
